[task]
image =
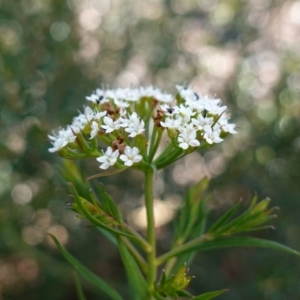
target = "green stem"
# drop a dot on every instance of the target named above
(152, 142)
(143, 243)
(174, 155)
(171, 262)
(137, 256)
(165, 153)
(151, 256)
(155, 143)
(184, 248)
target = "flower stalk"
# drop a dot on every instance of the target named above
(151, 256)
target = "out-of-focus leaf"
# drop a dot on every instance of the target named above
(85, 272)
(200, 245)
(210, 295)
(106, 173)
(135, 277)
(224, 218)
(159, 297)
(194, 207)
(190, 223)
(79, 290)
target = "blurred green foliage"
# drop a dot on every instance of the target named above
(54, 53)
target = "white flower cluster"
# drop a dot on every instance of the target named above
(120, 115)
(197, 114)
(68, 135)
(123, 97)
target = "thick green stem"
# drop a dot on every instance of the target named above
(151, 256)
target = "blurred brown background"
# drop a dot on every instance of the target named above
(54, 53)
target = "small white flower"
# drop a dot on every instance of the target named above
(88, 113)
(229, 128)
(187, 137)
(62, 139)
(134, 125)
(155, 93)
(225, 126)
(185, 113)
(128, 94)
(213, 105)
(187, 93)
(121, 103)
(97, 97)
(95, 129)
(110, 124)
(131, 156)
(212, 135)
(99, 114)
(149, 91)
(122, 112)
(201, 121)
(79, 123)
(197, 104)
(166, 98)
(171, 123)
(169, 110)
(108, 159)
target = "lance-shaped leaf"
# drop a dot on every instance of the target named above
(190, 223)
(85, 272)
(224, 218)
(93, 219)
(71, 173)
(201, 244)
(106, 173)
(210, 295)
(109, 204)
(252, 219)
(135, 277)
(193, 210)
(79, 290)
(157, 296)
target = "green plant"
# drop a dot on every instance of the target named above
(123, 129)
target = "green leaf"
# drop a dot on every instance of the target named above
(110, 236)
(201, 245)
(197, 207)
(98, 223)
(106, 173)
(158, 296)
(79, 290)
(210, 295)
(85, 272)
(224, 218)
(183, 293)
(79, 201)
(134, 275)
(163, 278)
(109, 204)
(193, 211)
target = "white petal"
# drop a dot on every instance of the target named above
(105, 166)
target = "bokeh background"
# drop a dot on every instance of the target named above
(54, 53)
